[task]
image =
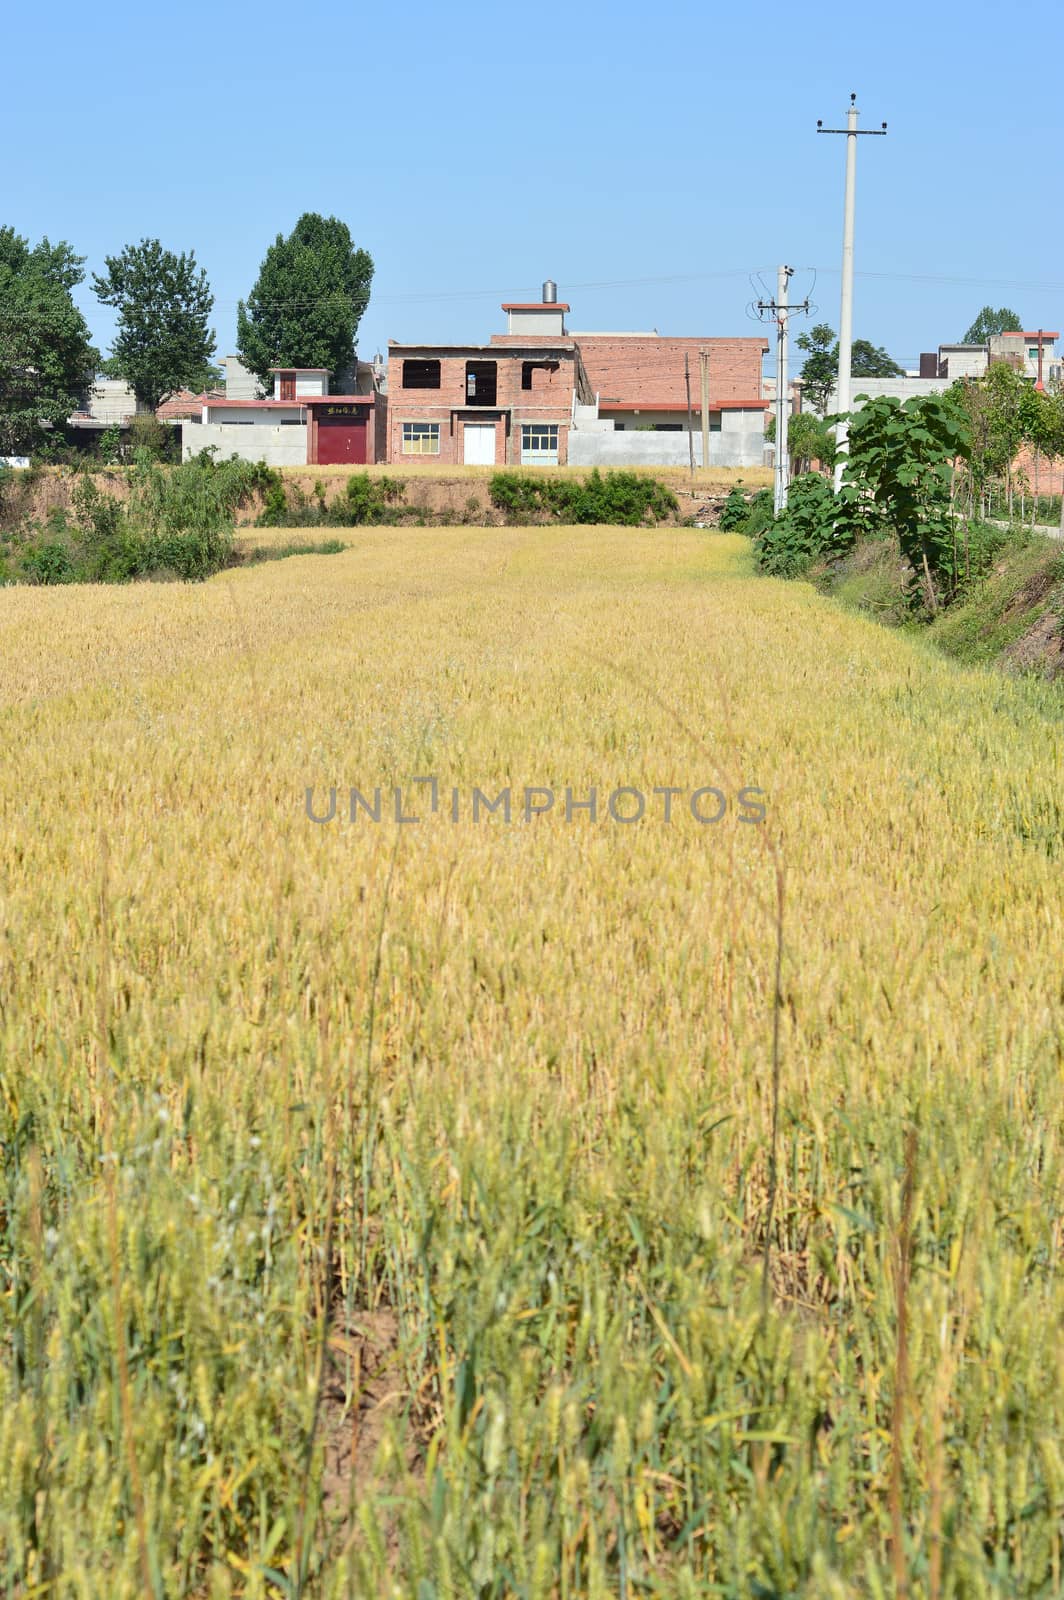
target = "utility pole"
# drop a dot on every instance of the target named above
(842, 388)
(690, 423)
(781, 309)
(703, 362)
(783, 399)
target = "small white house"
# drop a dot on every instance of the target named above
(300, 424)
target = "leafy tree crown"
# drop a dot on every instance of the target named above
(989, 322)
(46, 355)
(309, 297)
(163, 341)
(822, 362)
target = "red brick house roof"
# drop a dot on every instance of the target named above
(183, 404)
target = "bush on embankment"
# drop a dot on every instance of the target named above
(893, 544)
(174, 523)
(625, 499)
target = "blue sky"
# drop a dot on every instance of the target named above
(649, 158)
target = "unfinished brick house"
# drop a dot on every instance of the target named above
(540, 395)
(639, 377)
(509, 402)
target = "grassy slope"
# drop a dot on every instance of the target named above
(547, 1184)
(1027, 582)
(1014, 617)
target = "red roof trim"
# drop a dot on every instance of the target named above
(1044, 333)
(535, 305)
(298, 369)
(681, 405)
(293, 405)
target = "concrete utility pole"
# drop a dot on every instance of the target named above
(703, 363)
(842, 388)
(783, 398)
(782, 309)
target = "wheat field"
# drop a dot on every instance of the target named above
(546, 1207)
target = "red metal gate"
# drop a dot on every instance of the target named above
(342, 441)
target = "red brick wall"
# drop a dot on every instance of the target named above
(649, 371)
(1050, 473)
(549, 400)
(379, 431)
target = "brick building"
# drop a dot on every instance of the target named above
(540, 395)
(509, 402)
(639, 377)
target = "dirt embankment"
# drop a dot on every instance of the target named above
(29, 495)
(468, 500)
(452, 494)
(1013, 618)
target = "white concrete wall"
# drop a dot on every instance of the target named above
(111, 400)
(221, 413)
(902, 388)
(314, 383)
(276, 446)
(739, 442)
(633, 421)
(547, 324)
(970, 361)
(240, 384)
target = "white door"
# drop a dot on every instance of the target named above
(480, 444)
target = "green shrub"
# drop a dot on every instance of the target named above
(518, 496)
(147, 433)
(275, 512)
(109, 448)
(278, 552)
(47, 563)
(735, 511)
(806, 530)
(624, 499)
(748, 516)
(366, 500)
(760, 513)
(177, 522)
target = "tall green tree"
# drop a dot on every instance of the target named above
(164, 302)
(998, 411)
(47, 359)
(899, 478)
(308, 300)
(809, 439)
(989, 322)
(822, 362)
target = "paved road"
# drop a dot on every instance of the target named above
(1051, 530)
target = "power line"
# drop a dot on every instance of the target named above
(433, 296)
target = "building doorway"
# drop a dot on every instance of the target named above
(479, 444)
